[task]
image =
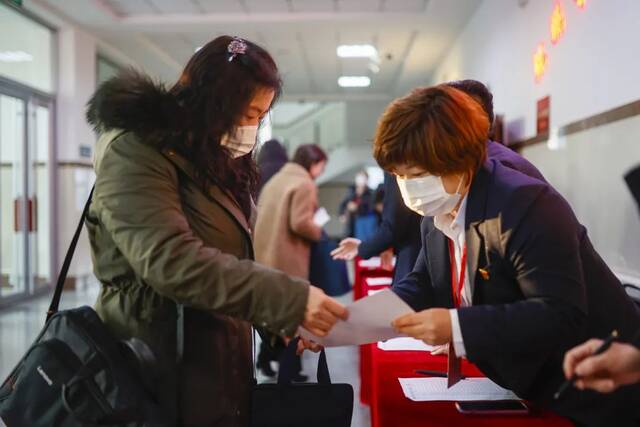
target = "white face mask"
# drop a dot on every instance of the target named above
(361, 180)
(426, 195)
(241, 141)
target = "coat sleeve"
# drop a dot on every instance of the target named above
(415, 288)
(302, 209)
(137, 200)
(543, 256)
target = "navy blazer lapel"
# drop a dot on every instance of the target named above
(439, 263)
(475, 216)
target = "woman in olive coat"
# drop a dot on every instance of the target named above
(171, 223)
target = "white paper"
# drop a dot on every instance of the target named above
(321, 217)
(371, 262)
(404, 344)
(379, 281)
(431, 389)
(369, 321)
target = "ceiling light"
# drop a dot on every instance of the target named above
(357, 51)
(15, 56)
(354, 81)
(373, 67)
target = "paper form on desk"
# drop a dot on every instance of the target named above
(378, 281)
(404, 344)
(432, 389)
(369, 321)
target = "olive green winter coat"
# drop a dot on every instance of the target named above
(157, 240)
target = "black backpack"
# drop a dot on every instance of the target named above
(77, 374)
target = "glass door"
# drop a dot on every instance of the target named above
(13, 207)
(39, 189)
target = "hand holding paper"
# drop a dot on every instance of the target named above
(322, 313)
(433, 326)
(369, 321)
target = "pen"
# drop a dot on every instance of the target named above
(434, 373)
(603, 347)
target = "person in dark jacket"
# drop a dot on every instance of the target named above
(271, 158)
(399, 229)
(507, 275)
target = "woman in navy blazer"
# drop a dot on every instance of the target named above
(533, 287)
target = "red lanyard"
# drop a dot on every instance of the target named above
(457, 285)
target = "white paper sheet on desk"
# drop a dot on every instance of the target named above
(404, 344)
(378, 281)
(369, 321)
(321, 217)
(432, 389)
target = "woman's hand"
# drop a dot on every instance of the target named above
(619, 365)
(433, 326)
(352, 207)
(322, 312)
(305, 344)
(386, 260)
(347, 249)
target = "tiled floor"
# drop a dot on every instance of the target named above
(20, 325)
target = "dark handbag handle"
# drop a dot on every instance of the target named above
(55, 301)
(288, 367)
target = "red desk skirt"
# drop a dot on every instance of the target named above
(390, 408)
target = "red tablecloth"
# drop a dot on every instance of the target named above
(390, 408)
(366, 268)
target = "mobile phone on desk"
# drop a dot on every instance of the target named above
(492, 407)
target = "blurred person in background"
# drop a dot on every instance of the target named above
(170, 229)
(285, 227)
(271, 158)
(357, 209)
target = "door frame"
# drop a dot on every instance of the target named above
(31, 98)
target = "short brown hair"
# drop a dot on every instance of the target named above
(439, 129)
(308, 155)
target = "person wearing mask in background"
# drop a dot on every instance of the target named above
(285, 227)
(357, 208)
(399, 229)
(507, 276)
(170, 228)
(271, 158)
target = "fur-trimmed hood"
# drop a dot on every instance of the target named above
(132, 101)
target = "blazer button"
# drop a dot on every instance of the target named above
(263, 324)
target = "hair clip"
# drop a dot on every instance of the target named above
(237, 46)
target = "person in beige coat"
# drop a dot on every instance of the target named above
(285, 228)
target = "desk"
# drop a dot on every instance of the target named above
(390, 408)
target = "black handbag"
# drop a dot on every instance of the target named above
(77, 374)
(301, 405)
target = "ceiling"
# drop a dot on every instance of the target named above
(160, 35)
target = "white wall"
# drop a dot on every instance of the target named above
(593, 68)
(588, 170)
(329, 118)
